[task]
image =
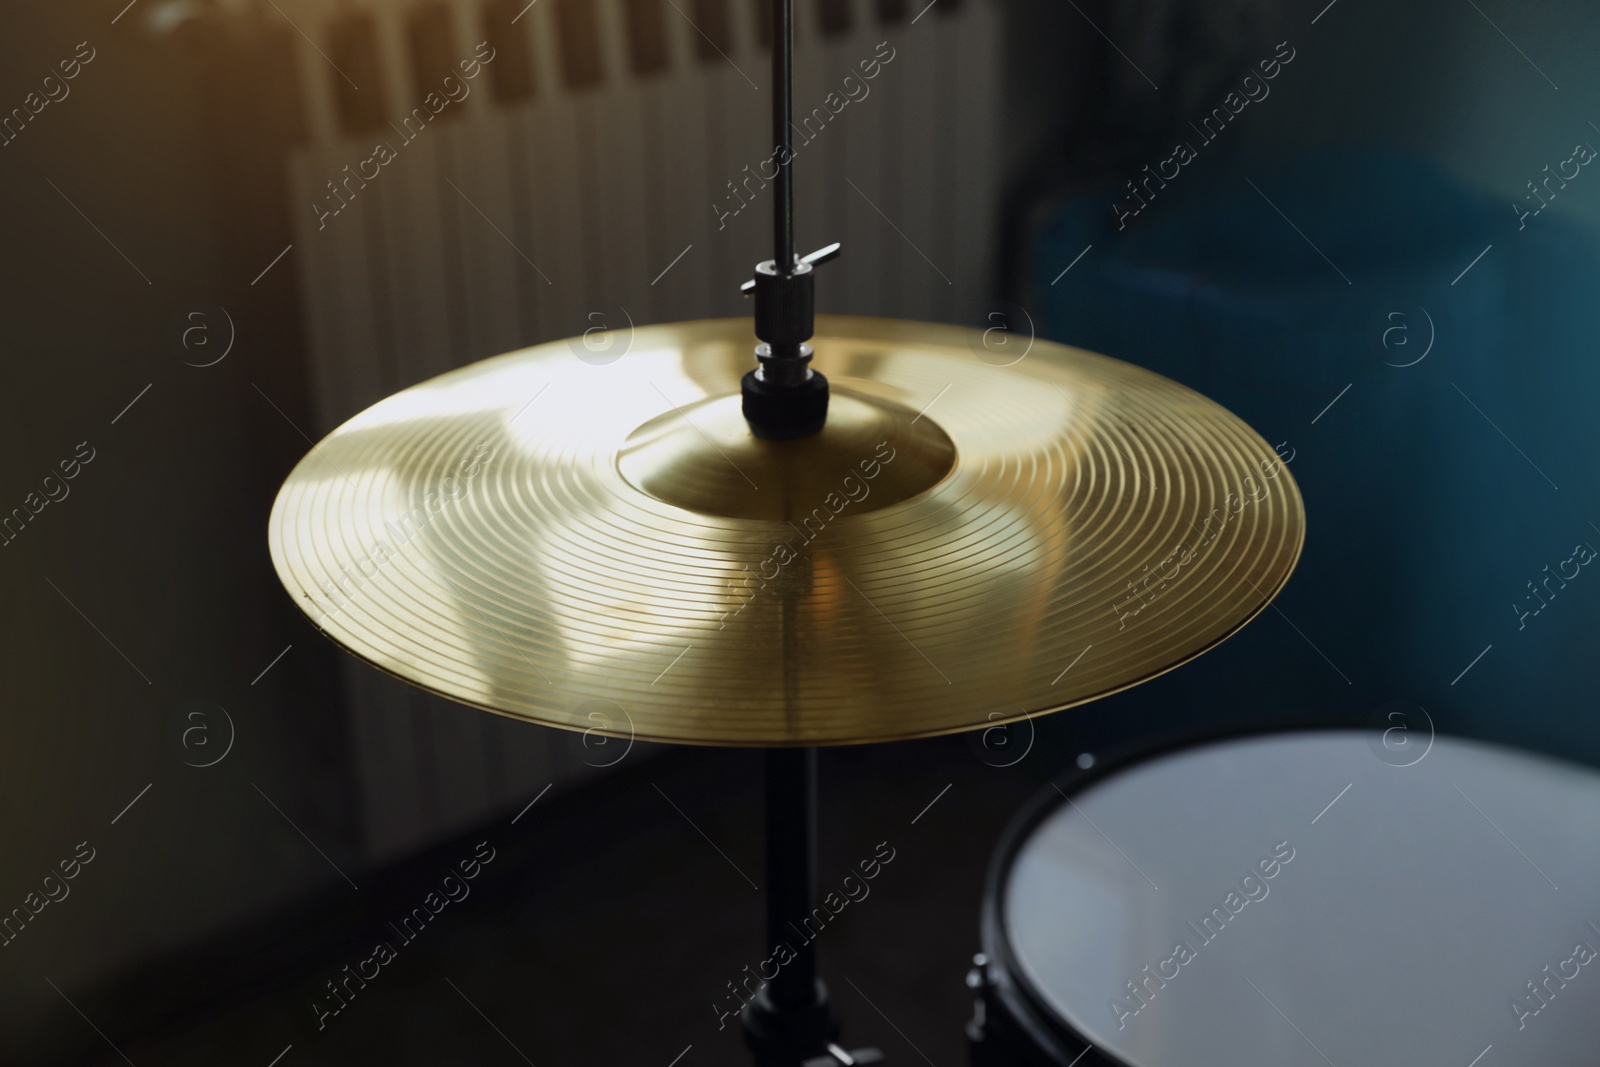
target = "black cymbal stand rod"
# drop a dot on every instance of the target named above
(790, 1022)
(791, 789)
(782, 136)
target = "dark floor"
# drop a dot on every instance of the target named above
(603, 930)
(607, 925)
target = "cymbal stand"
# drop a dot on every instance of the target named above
(790, 1021)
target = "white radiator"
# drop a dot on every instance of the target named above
(575, 170)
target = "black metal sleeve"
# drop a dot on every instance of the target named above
(791, 789)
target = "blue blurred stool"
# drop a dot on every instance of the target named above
(1431, 488)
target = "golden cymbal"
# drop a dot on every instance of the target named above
(609, 548)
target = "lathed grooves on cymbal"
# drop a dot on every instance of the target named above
(559, 542)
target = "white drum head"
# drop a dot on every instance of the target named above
(1300, 899)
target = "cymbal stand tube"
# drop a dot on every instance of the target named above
(790, 1020)
(792, 868)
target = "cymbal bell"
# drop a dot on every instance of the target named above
(609, 548)
(703, 458)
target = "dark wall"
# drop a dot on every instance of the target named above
(145, 584)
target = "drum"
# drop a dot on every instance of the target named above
(1316, 898)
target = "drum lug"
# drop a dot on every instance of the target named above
(980, 982)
